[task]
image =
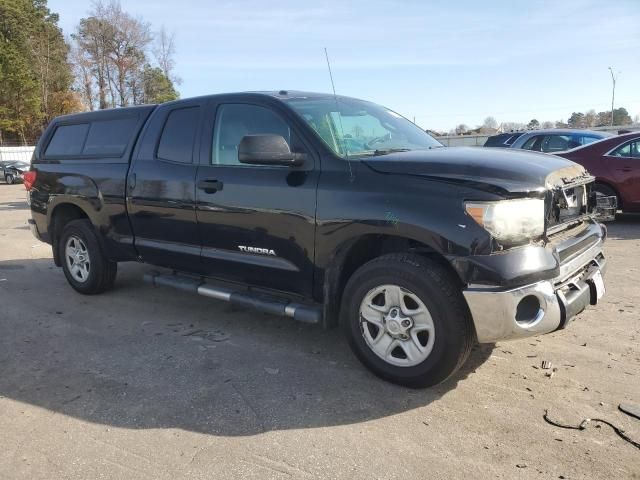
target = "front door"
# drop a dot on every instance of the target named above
(624, 165)
(256, 223)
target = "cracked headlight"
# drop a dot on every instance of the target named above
(510, 221)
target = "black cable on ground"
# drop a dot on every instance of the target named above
(584, 423)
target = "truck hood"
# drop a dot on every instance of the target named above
(499, 170)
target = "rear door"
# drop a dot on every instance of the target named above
(257, 223)
(623, 164)
(161, 188)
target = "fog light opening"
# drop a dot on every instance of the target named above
(528, 310)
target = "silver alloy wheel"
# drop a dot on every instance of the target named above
(397, 325)
(77, 256)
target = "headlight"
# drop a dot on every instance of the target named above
(510, 221)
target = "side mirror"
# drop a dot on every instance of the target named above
(268, 150)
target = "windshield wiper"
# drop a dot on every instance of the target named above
(390, 150)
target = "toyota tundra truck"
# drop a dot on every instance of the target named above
(329, 210)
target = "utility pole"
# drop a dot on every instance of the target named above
(613, 92)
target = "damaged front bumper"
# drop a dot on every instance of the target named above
(545, 305)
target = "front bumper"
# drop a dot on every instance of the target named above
(540, 307)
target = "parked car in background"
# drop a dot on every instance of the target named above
(502, 140)
(557, 140)
(615, 162)
(12, 171)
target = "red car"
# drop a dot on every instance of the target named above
(615, 162)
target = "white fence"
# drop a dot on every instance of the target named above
(463, 140)
(16, 154)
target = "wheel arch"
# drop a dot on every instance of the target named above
(354, 253)
(607, 183)
(62, 214)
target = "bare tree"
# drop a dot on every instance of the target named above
(125, 48)
(112, 56)
(83, 76)
(164, 51)
(93, 36)
(512, 126)
(490, 122)
(461, 129)
(590, 118)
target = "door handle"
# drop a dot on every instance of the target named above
(625, 169)
(210, 185)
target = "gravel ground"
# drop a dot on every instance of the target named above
(147, 382)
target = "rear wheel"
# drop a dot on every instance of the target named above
(406, 320)
(10, 179)
(86, 268)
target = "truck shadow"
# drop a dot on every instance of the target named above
(14, 205)
(625, 227)
(142, 357)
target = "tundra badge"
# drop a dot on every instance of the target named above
(263, 251)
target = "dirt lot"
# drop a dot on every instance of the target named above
(145, 382)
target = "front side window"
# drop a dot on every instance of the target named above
(629, 150)
(532, 144)
(587, 139)
(234, 121)
(353, 128)
(556, 143)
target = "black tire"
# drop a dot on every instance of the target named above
(102, 272)
(439, 291)
(607, 191)
(10, 179)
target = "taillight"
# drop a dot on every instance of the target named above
(28, 179)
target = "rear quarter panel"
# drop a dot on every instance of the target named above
(95, 184)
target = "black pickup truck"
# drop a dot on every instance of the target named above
(329, 210)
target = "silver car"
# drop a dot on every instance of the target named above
(557, 139)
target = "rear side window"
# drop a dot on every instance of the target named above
(67, 140)
(110, 137)
(178, 135)
(587, 139)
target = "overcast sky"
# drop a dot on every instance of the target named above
(443, 64)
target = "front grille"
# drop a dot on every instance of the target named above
(572, 230)
(566, 205)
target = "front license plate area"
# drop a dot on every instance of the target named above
(598, 290)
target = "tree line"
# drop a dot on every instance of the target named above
(619, 116)
(112, 59)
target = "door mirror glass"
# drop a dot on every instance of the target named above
(267, 149)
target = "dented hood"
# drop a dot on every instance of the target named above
(494, 169)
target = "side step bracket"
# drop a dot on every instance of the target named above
(257, 301)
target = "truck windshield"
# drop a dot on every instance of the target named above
(355, 128)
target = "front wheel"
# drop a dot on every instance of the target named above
(405, 319)
(10, 179)
(87, 270)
